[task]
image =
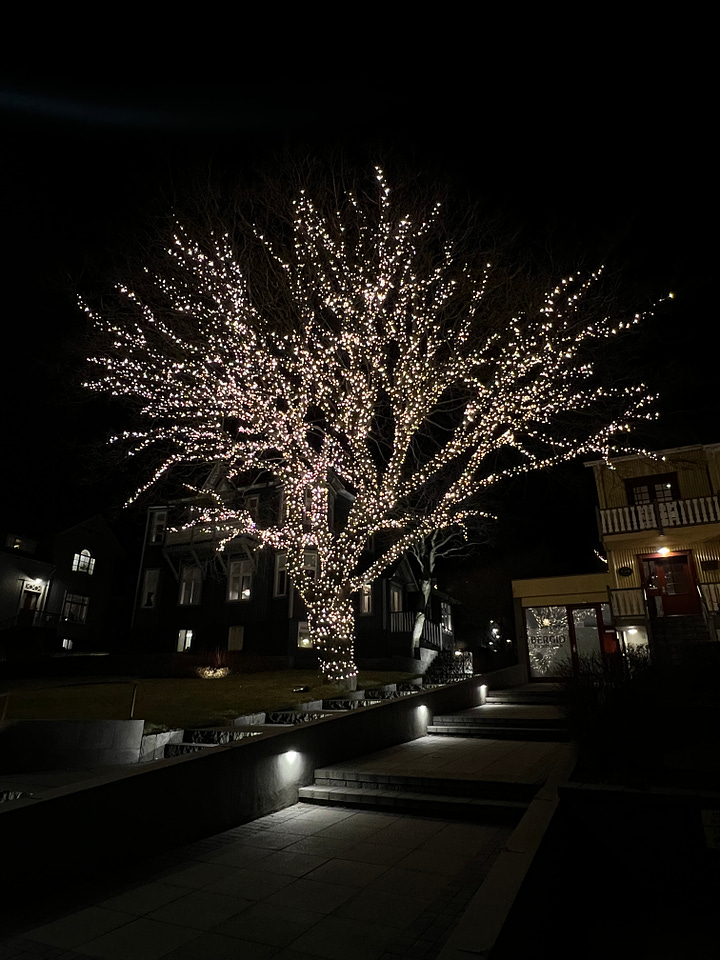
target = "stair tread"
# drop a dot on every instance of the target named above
(376, 796)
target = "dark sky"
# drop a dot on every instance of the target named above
(87, 172)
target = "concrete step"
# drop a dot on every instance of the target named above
(476, 719)
(517, 697)
(459, 787)
(496, 732)
(423, 804)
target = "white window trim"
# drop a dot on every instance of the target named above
(244, 574)
(185, 639)
(365, 605)
(280, 568)
(83, 562)
(190, 577)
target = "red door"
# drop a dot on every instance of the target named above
(670, 585)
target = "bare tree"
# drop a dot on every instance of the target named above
(357, 344)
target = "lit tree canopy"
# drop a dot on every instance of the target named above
(363, 349)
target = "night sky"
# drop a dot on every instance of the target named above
(87, 174)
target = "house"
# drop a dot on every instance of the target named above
(65, 594)
(659, 525)
(194, 598)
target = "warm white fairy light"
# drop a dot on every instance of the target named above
(370, 339)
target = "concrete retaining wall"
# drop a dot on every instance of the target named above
(27, 745)
(155, 806)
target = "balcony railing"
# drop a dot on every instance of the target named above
(200, 533)
(628, 602)
(403, 621)
(660, 515)
(711, 595)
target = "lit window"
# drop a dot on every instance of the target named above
(366, 599)
(190, 584)
(75, 608)
(67, 644)
(240, 580)
(396, 599)
(280, 585)
(235, 637)
(446, 616)
(304, 641)
(83, 562)
(158, 525)
(150, 585)
(184, 640)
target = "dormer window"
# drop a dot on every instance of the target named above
(83, 562)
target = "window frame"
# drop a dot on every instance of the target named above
(83, 562)
(280, 578)
(146, 591)
(189, 583)
(73, 600)
(244, 576)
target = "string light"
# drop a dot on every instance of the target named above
(395, 378)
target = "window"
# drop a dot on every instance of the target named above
(190, 584)
(158, 525)
(150, 585)
(304, 641)
(645, 490)
(185, 638)
(83, 562)
(240, 580)
(252, 505)
(20, 543)
(280, 584)
(67, 644)
(311, 564)
(235, 637)
(396, 603)
(307, 504)
(75, 608)
(366, 599)
(446, 617)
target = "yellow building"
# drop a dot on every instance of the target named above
(659, 523)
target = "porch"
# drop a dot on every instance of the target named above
(434, 635)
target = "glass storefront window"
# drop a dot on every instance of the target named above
(548, 636)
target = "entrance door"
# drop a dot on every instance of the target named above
(670, 585)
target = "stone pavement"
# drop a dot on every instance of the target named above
(304, 883)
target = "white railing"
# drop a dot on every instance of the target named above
(711, 595)
(627, 602)
(655, 516)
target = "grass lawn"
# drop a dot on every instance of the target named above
(171, 703)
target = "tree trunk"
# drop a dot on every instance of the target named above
(331, 623)
(420, 615)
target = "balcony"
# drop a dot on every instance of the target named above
(403, 621)
(200, 534)
(660, 515)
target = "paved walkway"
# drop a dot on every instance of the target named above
(304, 882)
